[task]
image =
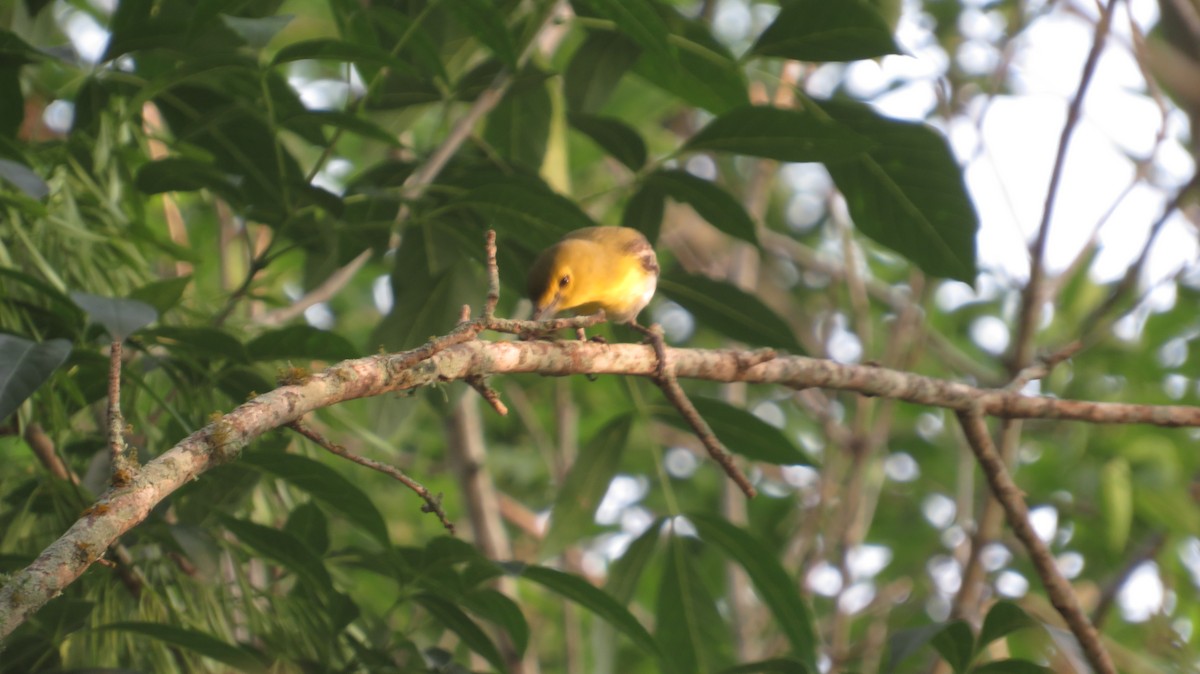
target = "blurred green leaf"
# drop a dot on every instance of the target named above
(688, 626)
(162, 295)
(502, 611)
(197, 342)
(1116, 499)
(903, 643)
(25, 366)
(741, 431)
(613, 136)
(814, 30)
(956, 644)
(239, 657)
(703, 74)
(728, 310)
(285, 550)
(907, 192)
(301, 341)
(772, 583)
(638, 20)
(585, 485)
(776, 665)
(1012, 666)
(307, 523)
(519, 127)
(592, 598)
(324, 484)
(487, 23)
(708, 199)
(1003, 619)
(120, 317)
(595, 69)
(644, 211)
(22, 177)
(526, 210)
(461, 624)
(624, 574)
(785, 135)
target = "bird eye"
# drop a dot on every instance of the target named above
(564, 281)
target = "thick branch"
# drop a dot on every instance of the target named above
(459, 356)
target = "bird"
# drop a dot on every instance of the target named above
(594, 268)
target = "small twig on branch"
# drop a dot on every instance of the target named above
(123, 460)
(489, 394)
(433, 502)
(1061, 595)
(664, 377)
(1031, 305)
(493, 274)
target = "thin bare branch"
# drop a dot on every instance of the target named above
(433, 502)
(1061, 595)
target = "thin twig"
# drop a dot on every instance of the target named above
(664, 377)
(1033, 292)
(328, 288)
(123, 460)
(433, 502)
(493, 274)
(489, 394)
(1059, 591)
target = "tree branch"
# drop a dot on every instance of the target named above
(1061, 595)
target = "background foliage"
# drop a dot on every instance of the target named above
(220, 160)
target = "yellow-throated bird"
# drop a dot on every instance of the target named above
(609, 268)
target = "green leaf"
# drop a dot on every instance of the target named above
(639, 21)
(307, 523)
(202, 643)
(779, 665)
(585, 485)
(742, 432)
(1012, 666)
(785, 135)
(162, 295)
(595, 69)
(347, 122)
(181, 174)
(688, 626)
(772, 584)
(624, 574)
(525, 210)
(1003, 619)
(519, 127)
(301, 341)
(17, 52)
(904, 643)
(25, 366)
(907, 192)
(704, 74)
(590, 597)
(256, 31)
(324, 484)
(956, 644)
(708, 199)
(485, 21)
(24, 179)
(285, 550)
(500, 610)
(334, 49)
(12, 114)
(816, 30)
(613, 136)
(198, 342)
(1116, 500)
(120, 317)
(732, 312)
(644, 211)
(461, 624)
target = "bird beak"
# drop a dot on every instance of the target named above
(542, 313)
